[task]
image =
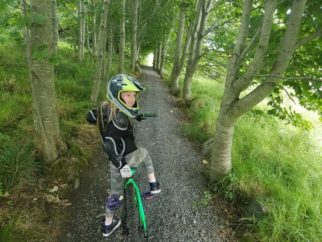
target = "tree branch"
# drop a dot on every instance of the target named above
(286, 51)
(309, 38)
(261, 48)
(304, 78)
(215, 5)
(210, 29)
(234, 66)
(285, 90)
(250, 45)
(287, 46)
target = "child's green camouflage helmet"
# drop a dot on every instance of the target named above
(123, 83)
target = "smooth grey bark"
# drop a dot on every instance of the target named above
(46, 123)
(134, 50)
(178, 62)
(159, 57)
(233, 105)
(163, 53)
(26, 35)
(55, 26)
(174, 80)
(155, 58)
(87, 35)
(94, 35)
(110, 52)
(197, 36)
(122, 37)
(100, 53)
(81, 30)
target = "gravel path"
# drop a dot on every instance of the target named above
(178, 213)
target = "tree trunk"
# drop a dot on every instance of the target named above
(159, 58)
(110, 52)
(26, 35)
(122, 38)
(137, 63)
(94, 36)
(174, 78)
(107, 54)
(81, 27)
(155, 53)
(163, 54)
(134, 55)
(196, 42)
(88, 43)
(48, 136)
(55, 26)
(221, 152)
(233, 106)
(100, 53)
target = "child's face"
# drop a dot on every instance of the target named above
(129, 98)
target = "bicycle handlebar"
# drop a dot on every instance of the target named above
(147, 115)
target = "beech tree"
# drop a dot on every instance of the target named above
(197, 35)
(122, 37)
(55, 26)
(101, 45)
(81, 29)
(180, 52)
(134, 45)
(251, 57)
(40, 48)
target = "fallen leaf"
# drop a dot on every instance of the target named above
(5, 195)
(76, 183)
(54, 189)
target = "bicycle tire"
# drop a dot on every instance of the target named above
(130, 216)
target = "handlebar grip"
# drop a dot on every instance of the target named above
(148, 115)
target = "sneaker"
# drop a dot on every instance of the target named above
(155, 187)
(109, 229)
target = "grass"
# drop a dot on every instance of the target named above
(17, 165)
(274, 163)
(281, 167)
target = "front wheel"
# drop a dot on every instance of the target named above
(132, 227)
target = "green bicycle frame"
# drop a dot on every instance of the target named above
(131, 181)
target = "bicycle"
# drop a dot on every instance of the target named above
(133, 204)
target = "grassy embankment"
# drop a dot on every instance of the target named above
(274, 163)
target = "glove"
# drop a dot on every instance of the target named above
(126, 171)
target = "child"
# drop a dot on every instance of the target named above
(117, 131)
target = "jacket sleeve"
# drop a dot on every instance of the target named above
(91, 116)
(109, 147)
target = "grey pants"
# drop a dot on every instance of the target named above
(133, 159)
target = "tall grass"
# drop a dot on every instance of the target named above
(272, 162)
(17, 165)
(204, 109)
(280, 166)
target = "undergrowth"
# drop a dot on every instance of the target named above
(24, 177)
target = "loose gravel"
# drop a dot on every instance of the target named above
(181, 212)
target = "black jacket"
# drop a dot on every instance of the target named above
(117, 135)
